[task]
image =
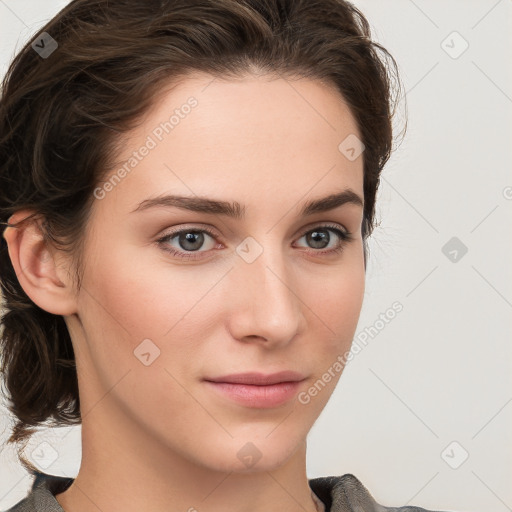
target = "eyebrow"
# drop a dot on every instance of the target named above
(237, 211)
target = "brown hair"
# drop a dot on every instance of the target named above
(61, 115)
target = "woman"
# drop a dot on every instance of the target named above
(188, 189)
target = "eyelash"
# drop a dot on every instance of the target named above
(344, 236)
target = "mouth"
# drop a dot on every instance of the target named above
(259, 379)
(256, 389)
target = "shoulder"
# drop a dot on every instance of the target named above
(41, 497)
(346, 494)
(25, 505)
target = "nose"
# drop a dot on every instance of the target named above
(265, 300)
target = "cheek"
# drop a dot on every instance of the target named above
(335, 296)
(336, 305)
(143, 305)
(134, 307)
(136, 292)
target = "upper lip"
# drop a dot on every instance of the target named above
(260, 379)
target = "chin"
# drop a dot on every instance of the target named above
(246, 454)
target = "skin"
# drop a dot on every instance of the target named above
(157, 437)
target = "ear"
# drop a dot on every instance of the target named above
(42, 270)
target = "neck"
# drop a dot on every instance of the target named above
(125, 469)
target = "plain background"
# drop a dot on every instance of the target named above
(423, 413)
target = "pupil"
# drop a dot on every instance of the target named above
(193, 237)
(318, 236)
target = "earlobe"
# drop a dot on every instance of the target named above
(35, 264)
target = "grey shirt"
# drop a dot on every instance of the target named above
(338, 493)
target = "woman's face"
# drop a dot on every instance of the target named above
(256, 287)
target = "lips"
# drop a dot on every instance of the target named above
(257, 390)
(259, 379)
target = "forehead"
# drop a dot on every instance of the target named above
(244, 137)
(259, 105)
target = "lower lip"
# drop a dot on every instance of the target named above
(257, 396)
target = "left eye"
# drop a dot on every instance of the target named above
(191, 240)
(320, 236)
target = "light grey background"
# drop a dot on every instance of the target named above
(433, 385)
